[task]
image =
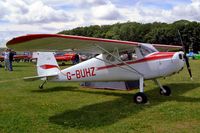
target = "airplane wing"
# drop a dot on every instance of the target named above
(57, 42)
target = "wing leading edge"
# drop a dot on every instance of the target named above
(54, 42)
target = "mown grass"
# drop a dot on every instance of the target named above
(66, 107)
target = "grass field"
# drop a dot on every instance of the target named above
(66, 107)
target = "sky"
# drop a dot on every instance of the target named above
(20, 17)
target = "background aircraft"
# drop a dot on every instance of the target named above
(17, 57)
(69, 56)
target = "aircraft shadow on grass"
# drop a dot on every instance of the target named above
(56, 89)
(109, 112)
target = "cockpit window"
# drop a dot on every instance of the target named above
(128, 55)
(146, 49)
(110, 58)
(122, 55)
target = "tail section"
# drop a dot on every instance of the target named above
(47, 67)
(46, 64)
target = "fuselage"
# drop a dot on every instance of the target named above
(154, 65)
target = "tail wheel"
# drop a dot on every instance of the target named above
(166, 91)
(63, 64)
(40, 86)
(140, 98)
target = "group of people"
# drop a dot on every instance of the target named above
(8, 59)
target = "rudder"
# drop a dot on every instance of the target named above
(46, 64)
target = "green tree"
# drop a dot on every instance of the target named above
(156, 32)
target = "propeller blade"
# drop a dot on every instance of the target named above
(185, 57)
(188, 66)
(183, 46)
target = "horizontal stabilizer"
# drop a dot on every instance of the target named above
(33, 78)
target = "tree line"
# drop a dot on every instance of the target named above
(157, 32)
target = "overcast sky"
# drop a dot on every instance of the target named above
(19, 17)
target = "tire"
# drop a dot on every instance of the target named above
(140, 98)
(166, 91)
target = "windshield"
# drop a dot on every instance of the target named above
(146, 49)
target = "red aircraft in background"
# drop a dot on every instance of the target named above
(18, 57)
(68, 57)
(65, 57)
(60, 57)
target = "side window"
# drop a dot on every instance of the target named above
(128, 55)
(123, 55)
(110, 58)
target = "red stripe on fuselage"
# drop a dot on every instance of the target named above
(156, 56)
(47, 66)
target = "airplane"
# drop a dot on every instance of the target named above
(64, 57)
(68, 57)
(16, 58)
(146, 64)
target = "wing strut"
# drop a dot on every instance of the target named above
(120, 60)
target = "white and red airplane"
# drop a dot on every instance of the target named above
(147, 62)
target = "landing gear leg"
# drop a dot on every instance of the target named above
(41, 86)
(164, 90)
(140, 97)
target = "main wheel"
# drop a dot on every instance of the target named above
(140, 98)
(166, 91)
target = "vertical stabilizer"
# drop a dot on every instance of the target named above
(46, 64)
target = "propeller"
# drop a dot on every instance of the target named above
(185, 57)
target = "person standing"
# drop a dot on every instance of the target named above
(11, 55)
(75, 59)
(6, 60)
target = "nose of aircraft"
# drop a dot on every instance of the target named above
(179, 59)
